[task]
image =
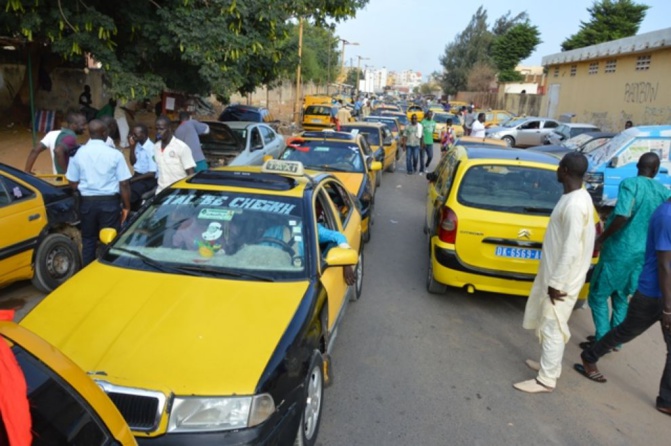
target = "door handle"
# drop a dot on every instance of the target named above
(33, 217)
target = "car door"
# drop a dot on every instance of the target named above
(255, 146)
(529, 133)
(438, 190)
(22, 218)
(547, 127)
(271, 142)
(390, 146)
(332, 279)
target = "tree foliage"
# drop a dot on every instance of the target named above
(481, 77)
(320, 55)
(610, 20)
(198, 46)
(501, 48)
(351, 77)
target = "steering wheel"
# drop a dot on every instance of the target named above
(284, 246)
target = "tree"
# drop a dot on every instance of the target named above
(351, 77)
(198, 46)
(610, 20)
(481, 77)
(516, 44)
(320, 54)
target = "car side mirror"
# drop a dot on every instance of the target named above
(106, 235)
(341, 257)
(375, 166)
(614, 161)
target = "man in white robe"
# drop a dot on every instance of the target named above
(567, 252)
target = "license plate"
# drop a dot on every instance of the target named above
(518, 253)
(316, 120)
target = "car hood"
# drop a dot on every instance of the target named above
(352, 181)
(173, 333)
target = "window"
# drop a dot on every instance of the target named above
(593, 68)
(341, 199)
(556, 72)
(256, 139)
(11, 191)
(268, 134)
(550, 124)
(643, 63)
(531, 125)
(574, 70)
(611, 65)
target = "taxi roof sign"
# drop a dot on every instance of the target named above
(285, 167)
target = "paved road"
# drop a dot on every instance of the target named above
(413, 368)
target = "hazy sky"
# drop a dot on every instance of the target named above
(402, 34)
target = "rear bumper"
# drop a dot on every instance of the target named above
(450, 270)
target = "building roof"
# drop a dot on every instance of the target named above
(629, 45)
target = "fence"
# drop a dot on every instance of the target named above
(520, 104)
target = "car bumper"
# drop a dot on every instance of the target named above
(279, 429)
(448, 269)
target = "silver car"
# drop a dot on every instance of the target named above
(569, 130)
(240, 143)
(523, 132)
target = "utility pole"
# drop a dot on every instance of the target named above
(298, 71)
(358, 72)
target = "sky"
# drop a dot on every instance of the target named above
(412, 35)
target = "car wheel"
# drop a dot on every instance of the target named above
(314, 393)
(432, 286)
(392, 166)
(56, 260)
(510, 140)
(358, 272)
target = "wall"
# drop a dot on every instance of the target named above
(520, 104)
(610, 99)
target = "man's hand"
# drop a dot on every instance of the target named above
(350, 277)
(124, 215)
(555, 295)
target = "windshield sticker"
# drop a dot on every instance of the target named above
(355, 131)
(255, 204)
(322, 149)
(296, 229)
(298, 239)
(17, 192)
(293, 222)
(262, 205)
(217, 214)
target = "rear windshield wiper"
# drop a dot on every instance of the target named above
(228, 273)
(155, 264)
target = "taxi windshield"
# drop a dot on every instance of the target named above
(391, 123)
(372, 133)
(336, 156)
(243, 236)
(441, 118)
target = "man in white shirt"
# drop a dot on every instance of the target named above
(173, 157)
(144, 167)
(48, 142)
(478, 126)
(565, 259)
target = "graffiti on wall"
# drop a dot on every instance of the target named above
(640, 92)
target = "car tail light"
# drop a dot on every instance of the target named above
(447, 231)
(599, 231)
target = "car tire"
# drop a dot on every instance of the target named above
(510, 140)
(392, 166)
(56, 260)
(432, 286)
(312, 410)
(358, 271)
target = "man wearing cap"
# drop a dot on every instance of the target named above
(101, 175)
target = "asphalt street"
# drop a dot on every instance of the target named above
(412, 368)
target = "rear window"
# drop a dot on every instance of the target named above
(391, 123)
(240, 114)
(372, 134)
(318, 110)
(513, 189)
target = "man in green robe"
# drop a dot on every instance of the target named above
(623, 246)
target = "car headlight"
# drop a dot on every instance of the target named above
(194, 414)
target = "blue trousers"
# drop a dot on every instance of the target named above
(97, 214)
(426, 150)
(411, 158)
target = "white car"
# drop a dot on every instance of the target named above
(567, 131)
(523, 132)
(240, 143)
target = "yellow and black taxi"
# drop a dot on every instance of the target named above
(441, 124)
(381, 141)
(415, 110)
(210, 317)
(391, 121)
(39, 238)
(486, 214)
(65, 405)
(348, 157)
(318, 117)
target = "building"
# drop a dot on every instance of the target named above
(533, 82)
(374, 80)
(612, 82)
(408, 78)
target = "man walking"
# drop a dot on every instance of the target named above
(100, 174)
(173, 157)
(410, 141)
(144, 166)
(188, 131)
(651, 303)
(66, 142)
(623, 246)
(478, 126)
(469, 118)
(343, 115)
(565, 259)
(428, 127)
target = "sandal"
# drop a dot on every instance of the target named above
(594, 375)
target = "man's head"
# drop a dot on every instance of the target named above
(413, 119)
(429, 114)
(184, 116)
(449, 122)
(163, 129)
(87, 89)
(481, 117)
(648, 165)
(628, 124)
(76, 122)
(111, 124)
(140, 133)
(98, 130)
(572, 167)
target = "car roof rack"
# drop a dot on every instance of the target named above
(251, 180)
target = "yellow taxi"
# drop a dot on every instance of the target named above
(210, 318)
(316, 100)
(486, 214)
(39, 238)
(390, 121)
(441, 125)
(66, 406)
(415, 110)
(381, 141)
(318, 117)
(494, 118)
(348, 157)
(455, 106)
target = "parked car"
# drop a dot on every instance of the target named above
(471, 141)
(211, 317)
(487, 210)
(616, 160)
(318, 117)
(523, 132)
(441, 124)
(495, 118)
(239, 112)
(585, 142)
(381, 141)
(567, 131)
(415, 110)
(39, 239)
(66, 406)
(239, 143)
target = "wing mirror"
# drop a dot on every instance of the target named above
(106, 235)
(614, 161)
(341, 257)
